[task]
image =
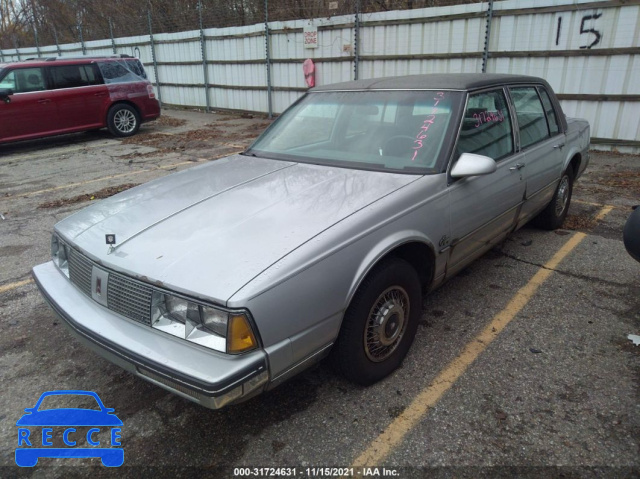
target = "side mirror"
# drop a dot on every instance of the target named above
(470, 164)
(5, 93)
(631, 234)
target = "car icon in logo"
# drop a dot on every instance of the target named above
(31, 446)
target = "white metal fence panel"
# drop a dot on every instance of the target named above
(587, 50)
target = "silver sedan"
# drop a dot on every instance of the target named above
(226, 279)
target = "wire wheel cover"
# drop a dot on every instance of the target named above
(386, 323)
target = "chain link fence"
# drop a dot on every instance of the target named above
(32, 23)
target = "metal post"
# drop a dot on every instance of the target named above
(356, 43)
(203, 51)
(267, 42)
(55, 37)
(487, 37)
(84, 50)
(15, 43)
(35, 36)
(1, 56)
(113, 42)
(153, 56)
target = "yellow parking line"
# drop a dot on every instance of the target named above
(603, 212)
(129, 173)
(17, 284)
(393, 435)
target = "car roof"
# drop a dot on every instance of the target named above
(444, 81)
(50, 61)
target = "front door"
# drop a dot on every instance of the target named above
(29, 111)
(484, 208)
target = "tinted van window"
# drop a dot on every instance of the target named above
(531, 118)
(73, 76)
(486, 126)
(24, 80)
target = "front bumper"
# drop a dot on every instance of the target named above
(204, 376)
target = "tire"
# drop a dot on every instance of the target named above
(391, 294)
(123, 120)
(631, 234)
(552, 217)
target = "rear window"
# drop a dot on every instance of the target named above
(122, 71)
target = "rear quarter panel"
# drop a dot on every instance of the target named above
(578, 137)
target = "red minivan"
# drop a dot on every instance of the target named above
(54, 96)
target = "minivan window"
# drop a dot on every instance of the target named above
(486, 126)
(122, 71)
(73, 76)
(531, 118)
(24, 80)
(551, 113)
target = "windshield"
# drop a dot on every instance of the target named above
(383, 130)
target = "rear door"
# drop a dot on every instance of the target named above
(542, 142)
(30, 110)
(484, 208)
(79, 96)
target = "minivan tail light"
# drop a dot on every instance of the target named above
(152, 94)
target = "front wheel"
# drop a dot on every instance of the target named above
(123, 120)
(555, 212)
(380, 323)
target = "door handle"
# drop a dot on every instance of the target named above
(100, 94)
(559, 145)
(44, 100)
(518, 166)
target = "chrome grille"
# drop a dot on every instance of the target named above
(129, 298)
(80, 270)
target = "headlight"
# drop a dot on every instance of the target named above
(229, 332)
(59, 254)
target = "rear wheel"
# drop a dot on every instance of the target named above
(553, 215)
(379, 326)
(123, 120)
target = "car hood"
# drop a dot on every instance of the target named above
(207, 231)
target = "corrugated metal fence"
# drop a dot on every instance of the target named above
(587, 50)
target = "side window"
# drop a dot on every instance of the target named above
(531, 118)
(69, 76)
(550, 111)
(486, 126)
(24, 80)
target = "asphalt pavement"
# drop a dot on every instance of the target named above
(521, 364)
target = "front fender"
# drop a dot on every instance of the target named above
(380, 250)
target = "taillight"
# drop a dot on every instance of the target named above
(152, 94)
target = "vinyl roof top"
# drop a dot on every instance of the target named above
(445, 81)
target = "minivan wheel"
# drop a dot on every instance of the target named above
(555, 212)
(123, 120)
(380, 323)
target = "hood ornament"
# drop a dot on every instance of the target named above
(110, 239)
